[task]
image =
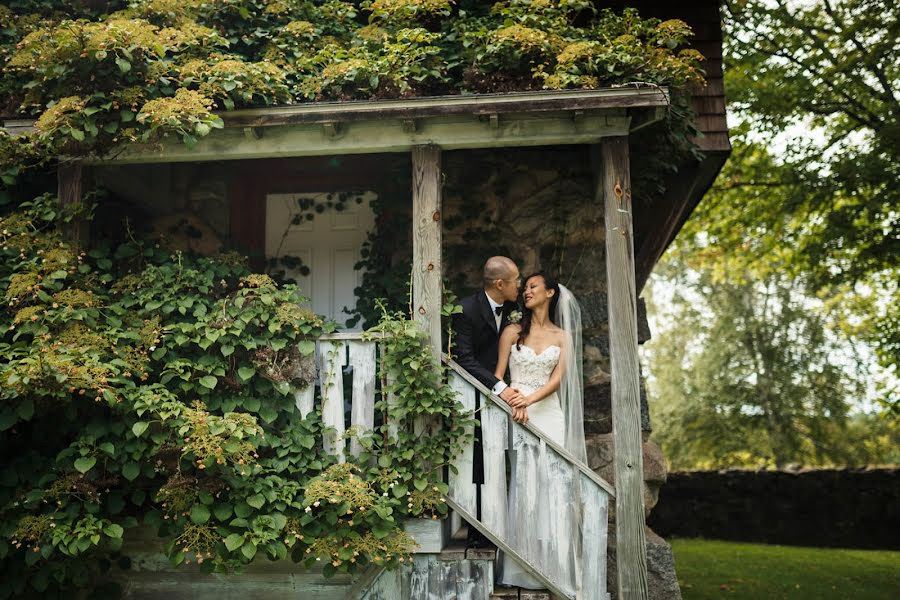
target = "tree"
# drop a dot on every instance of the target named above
(750, 375)
(810, 190)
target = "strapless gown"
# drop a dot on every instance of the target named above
(533, 497)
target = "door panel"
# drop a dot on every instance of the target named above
(328, 245)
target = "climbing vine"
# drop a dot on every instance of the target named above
(141, 388)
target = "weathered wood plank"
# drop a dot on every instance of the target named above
(70, 189)
(533, 570)
(362, 413)
(594, 508)
(417, 108)
(332, 382)
(614, 188)
(494, 432)
(304, 399)
(450, 133)
(426, 533)
(426, 261)
(461, 487)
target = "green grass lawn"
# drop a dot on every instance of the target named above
(711, 569)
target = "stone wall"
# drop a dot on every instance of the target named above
(838, 508)
(537, 206)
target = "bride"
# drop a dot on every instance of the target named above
(543, 353)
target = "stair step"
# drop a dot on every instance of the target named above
(513, 593)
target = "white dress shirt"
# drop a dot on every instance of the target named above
(500, 385)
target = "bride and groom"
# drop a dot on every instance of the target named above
(541, 347)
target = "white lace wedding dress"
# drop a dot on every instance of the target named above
(535, 522)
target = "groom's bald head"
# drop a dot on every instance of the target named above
(499, 268)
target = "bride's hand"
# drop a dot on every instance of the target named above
(521, 402)
(520, 415)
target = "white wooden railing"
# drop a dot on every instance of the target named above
(566, 489)
(569, 494)
(333, 353)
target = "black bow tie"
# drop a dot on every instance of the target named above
(498, 310)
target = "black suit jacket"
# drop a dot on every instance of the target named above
(476, 337)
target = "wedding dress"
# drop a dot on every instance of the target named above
(539, 528)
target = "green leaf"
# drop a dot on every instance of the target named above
(222, 512)
(306, 347)
(131, 470)
(245, 373)
(234, 541)
(227, 350)
(26, 409)
(109, 448)
(256, 501)
(113, 530)
(208, 381)
(242, 509)
(139, 428)
(123, 64)
(268, 413)
(249, 550)
(199, 514)
(420, 484)
(85, 463)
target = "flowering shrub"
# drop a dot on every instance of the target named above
(143, 387)
(87, 75)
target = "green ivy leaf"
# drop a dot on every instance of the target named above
(26, 409)
(222, 512)
(123, 64)
(208, 382)
(199, 514)
(139, 428)
(234, 541)
(227, 350)
(245, 373)
(256, 501)
(114, 531)
(131, 470)
(249, 550)
(85, 463)
(420, 484)
(306, 347)
(268, 413)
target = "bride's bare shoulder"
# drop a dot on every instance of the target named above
(511, 331)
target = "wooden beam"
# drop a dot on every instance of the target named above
(472, 104)
(365, 137)
(69, 181)
(426, 266)
(614, 190)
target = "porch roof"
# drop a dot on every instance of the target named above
(451, 122)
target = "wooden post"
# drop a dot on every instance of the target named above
(614, 187)
(426, 266)
(69, 182)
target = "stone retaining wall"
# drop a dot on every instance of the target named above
(834, 507)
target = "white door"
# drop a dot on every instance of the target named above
(329, 246)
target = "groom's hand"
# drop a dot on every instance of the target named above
(509, 395)
(520, 415)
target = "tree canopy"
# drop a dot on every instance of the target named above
(784, 282)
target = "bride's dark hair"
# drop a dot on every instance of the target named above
(550, 284)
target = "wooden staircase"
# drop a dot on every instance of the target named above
(566, 486)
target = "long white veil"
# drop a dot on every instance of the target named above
(571, 388)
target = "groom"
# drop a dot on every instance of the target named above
(483, 317)
(477, 334)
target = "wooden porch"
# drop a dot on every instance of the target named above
(423, 127)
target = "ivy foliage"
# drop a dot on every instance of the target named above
(145, 389)
(145, 69)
